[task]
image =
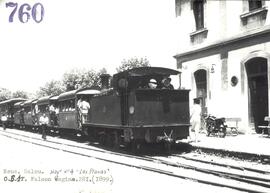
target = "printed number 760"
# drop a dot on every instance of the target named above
(26, 13)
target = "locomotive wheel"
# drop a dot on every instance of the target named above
(109, 140)
(102, 139)
(135, 146)
(116, 140)
(168, 146)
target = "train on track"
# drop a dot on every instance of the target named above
(125, 110)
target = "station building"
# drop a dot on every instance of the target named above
(223, 53)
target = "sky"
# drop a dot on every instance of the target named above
(89, 34)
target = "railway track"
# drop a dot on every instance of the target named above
(214, 174)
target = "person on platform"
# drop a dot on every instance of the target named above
(44, 121)
(195, 118)
(4, 120)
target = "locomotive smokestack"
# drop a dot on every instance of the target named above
(104, 81)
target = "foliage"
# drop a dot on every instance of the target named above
(81, 78)
(5, 94)
(20, 94)
(133, 63)
(51, 88)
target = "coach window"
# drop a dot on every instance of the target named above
(63, 106)
(198, 11)
(71, 105)
(252, 4)
(43, 108)
(27, 109)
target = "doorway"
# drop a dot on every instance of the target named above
(257, 76)
(201, 88)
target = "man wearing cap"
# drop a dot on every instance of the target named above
(152, 84)
(167, 83)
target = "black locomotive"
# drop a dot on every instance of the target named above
(129, 112)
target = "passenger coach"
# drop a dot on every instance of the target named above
(7, 108)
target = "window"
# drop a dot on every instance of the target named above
(254, 4)
(177, 8)
(198, 10)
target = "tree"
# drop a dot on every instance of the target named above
(133, 63)
(5, 94)
(51, 88)
(72, 79)
(20, 94)
(81, 78)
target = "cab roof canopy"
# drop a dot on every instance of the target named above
(135, 75)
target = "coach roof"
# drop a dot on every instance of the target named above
(18, 104)
(13, 100)
(67, 95)
(46, 100)
(30, 102)
(72, 94)
(87, 91)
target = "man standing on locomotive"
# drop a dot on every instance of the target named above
(83, 107)
(166, 83)
(195, 118)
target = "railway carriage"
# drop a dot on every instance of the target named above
(7, 107)
(68, 111)
(18, 114)
(30, 114)
(135, 114)
(43, 106)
